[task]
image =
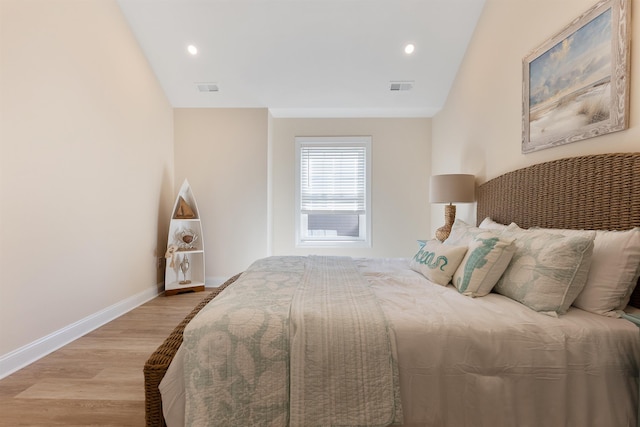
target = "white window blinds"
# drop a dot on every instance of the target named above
(333, 178)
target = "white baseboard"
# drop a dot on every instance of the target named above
(23, 356)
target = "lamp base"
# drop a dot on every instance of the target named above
(449, 217)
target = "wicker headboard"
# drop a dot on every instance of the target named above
(597, 192)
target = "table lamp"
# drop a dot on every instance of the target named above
(451, 188)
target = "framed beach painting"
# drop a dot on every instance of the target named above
(576, 85)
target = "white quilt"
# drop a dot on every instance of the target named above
(488, 361)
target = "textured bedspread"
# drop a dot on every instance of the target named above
(462, 361)
(334, 316)
(321, 311)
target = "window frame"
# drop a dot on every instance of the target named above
(326, 242)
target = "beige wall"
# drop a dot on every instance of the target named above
(240, 164)
(400, 171)
(86, 164)
(479, 129)
(223, 154)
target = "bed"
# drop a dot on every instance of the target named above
(451, 359)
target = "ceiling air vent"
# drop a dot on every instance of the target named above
(401, 85)
(207, 87)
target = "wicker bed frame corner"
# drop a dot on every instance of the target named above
(156, 366)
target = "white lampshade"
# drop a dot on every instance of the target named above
(452, 188)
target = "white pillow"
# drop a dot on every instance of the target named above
(615, 266)
(547, 271)
(489, 224)
(437, 262)
(462, 233)
(487, 257)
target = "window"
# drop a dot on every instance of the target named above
(333, 191)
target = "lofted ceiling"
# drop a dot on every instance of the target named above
(306, 58)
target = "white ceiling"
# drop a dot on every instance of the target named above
(306, 58)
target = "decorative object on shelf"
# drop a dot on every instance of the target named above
(184, 267)
(186, 239)
(170, 254)
(451, 188)
(184, 211)
(576, 85)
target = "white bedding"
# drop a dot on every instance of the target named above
(490, 361)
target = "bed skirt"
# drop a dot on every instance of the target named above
(156, 366)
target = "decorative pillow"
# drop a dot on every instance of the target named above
(547, 271)
(437, 262)
(487, 257)
(489, 224)
(615, 266)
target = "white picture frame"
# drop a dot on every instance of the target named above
(576, 84)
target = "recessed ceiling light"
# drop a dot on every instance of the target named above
(408, 49)
(192, 49)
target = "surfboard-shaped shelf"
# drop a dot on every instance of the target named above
(185, 268)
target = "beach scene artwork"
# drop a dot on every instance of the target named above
(570, 84)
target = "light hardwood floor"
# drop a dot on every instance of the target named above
(96, 380)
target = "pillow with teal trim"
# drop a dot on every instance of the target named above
(437, 262)
(547, 271)
(487, 257)
(614, 271)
